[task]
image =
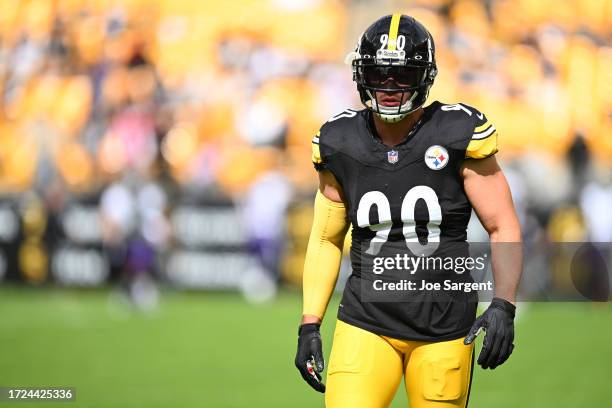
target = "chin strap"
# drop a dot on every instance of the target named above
(391, 118)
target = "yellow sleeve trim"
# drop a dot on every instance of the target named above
(481, 148)
(482, 127)
(316, 151)
(323, 255)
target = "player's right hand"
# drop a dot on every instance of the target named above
(309, 358)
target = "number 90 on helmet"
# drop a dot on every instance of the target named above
(394, 66)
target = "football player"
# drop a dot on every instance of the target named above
(405, 176)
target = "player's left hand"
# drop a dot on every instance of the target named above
(498, 323)
(309, 357)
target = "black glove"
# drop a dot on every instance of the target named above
(309, 357)
(498, 323)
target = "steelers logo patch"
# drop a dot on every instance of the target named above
(436, 157)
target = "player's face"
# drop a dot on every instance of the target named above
(396, 82)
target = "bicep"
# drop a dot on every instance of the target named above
(488, 191)
(330, 187)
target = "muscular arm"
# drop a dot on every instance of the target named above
(324, 252)
(487, 189)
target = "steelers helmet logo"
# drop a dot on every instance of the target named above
(436, 157)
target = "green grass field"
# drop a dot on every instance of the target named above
(215, 350)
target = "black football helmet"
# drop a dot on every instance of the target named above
(395, 55)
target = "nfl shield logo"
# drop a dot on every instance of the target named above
(392, 156)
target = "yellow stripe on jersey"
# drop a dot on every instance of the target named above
(393, 29)
(482, 127)
(482, 148)
(316, 152)
(484, 134)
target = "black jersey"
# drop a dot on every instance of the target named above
(406, 199)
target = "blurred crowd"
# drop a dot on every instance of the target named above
(138, 106)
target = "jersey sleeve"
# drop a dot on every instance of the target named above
(317, 159)
(483, 142)
(325, 143)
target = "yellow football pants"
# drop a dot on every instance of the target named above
(365, 370)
